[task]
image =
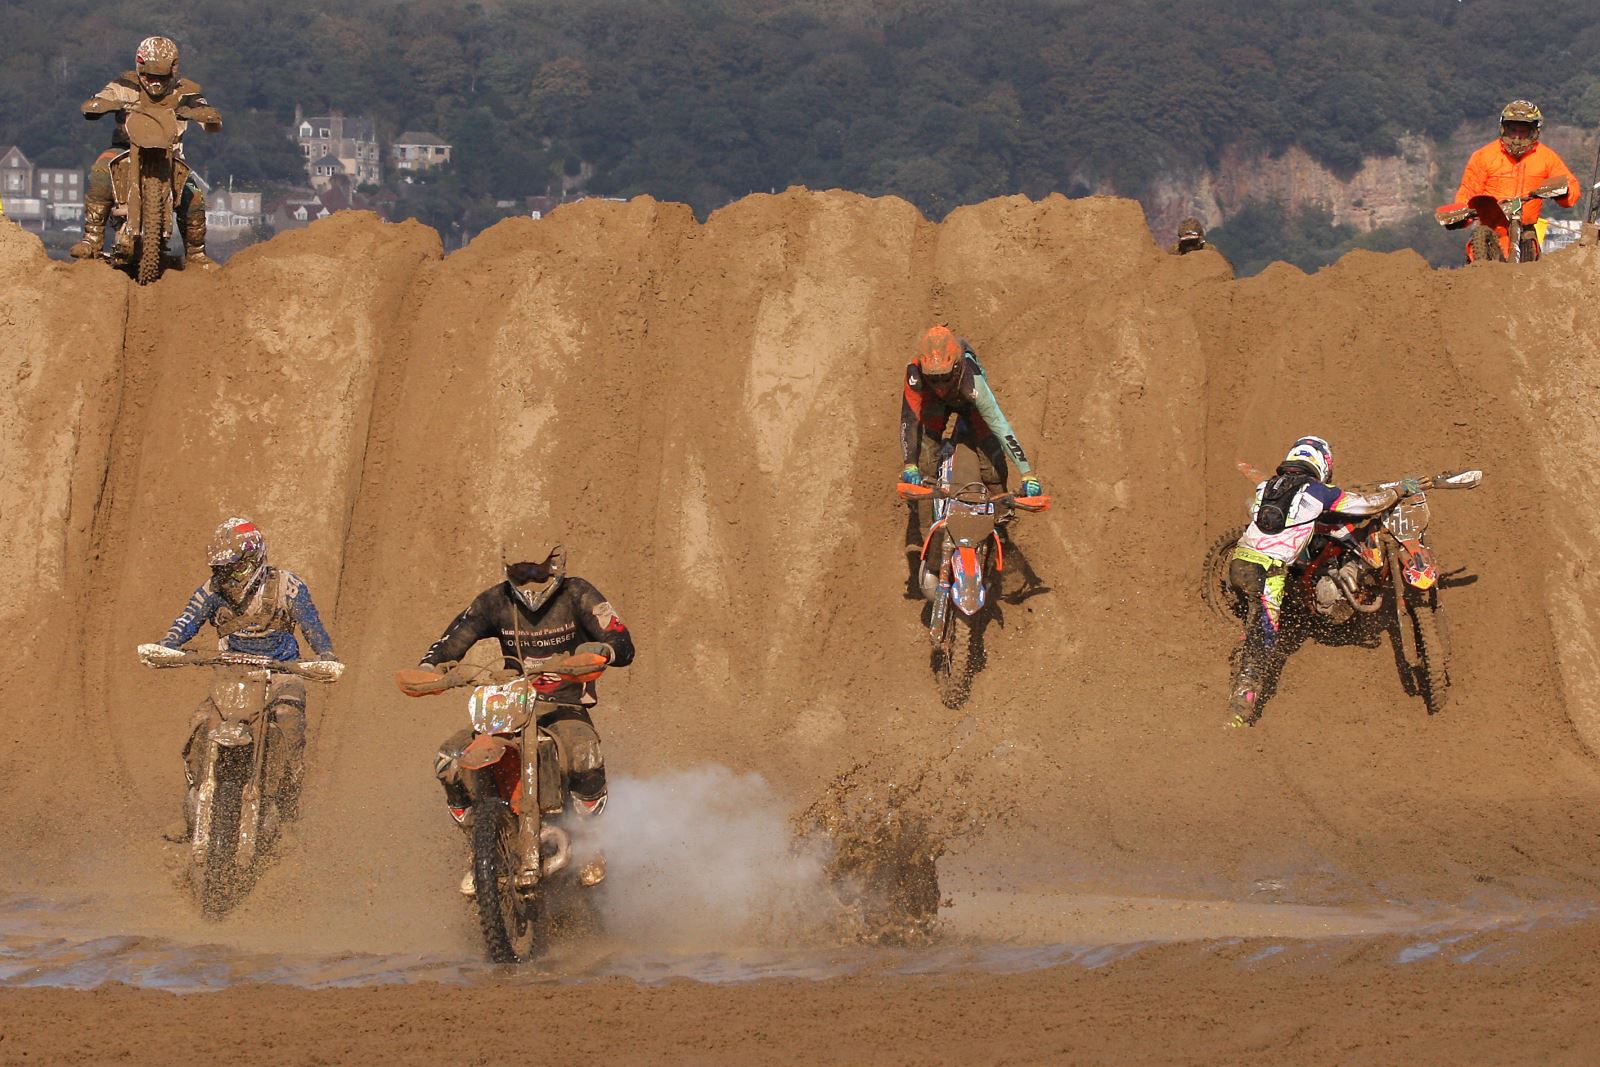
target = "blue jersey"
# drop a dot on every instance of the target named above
(263, 626)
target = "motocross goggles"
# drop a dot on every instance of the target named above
(237, 571)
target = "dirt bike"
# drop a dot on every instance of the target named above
(1357, 569)
(229, 830)
(1490, 216)
(954, 570)
(147, 181)
(520, 855)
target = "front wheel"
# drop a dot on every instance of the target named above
(219, 883)
(506, 917)
(1484, 246)
(152, 223)
(956, 658)
(1433, 669)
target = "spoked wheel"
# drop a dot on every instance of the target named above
(955, 661)
(217, 878)
(1433, 667)
(1485, 245)
(507, 917)
(153, 210)
(1215, 588)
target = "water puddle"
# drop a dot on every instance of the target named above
(53, 944)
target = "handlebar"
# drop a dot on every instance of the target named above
(909, 492)
(1465, 479)
(420, 681)
(1462, 479)
(314, 670)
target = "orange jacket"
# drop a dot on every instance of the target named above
(1492, 171)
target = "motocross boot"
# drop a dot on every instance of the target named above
(94, 232)
(194, 240)
(593, 872)
(179, 831)
(1242, 706)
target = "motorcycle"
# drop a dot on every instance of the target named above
(1491, 216)
(1361, 569)
(229, 829)
(520, 854)
(147, 181)
(954, 572)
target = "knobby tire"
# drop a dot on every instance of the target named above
(152, 211)
(220, 876)
(958, 659)
(1486, 246)
(1216, 590)
(1433, 670)
(506, 919)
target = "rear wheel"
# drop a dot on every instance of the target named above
(1216, 589)
(506, 917)
(1433, 668)
(152, 220)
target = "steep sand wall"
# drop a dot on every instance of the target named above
(708, 414)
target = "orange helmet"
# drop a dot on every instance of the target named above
(938, 352)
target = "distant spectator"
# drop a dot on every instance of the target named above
(1191, 237)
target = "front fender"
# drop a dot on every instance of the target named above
(492, 767)
(967, 580)
(485, 750)
(1420, 569)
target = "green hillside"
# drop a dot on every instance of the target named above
(705, 100)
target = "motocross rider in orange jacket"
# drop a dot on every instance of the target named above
(1516, 165)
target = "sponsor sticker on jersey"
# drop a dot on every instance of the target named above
(607, 617)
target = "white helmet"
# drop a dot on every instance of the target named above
(1314, 455)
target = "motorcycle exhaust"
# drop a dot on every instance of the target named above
(555, 849)
(1349, 595)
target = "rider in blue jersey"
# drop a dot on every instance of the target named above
(255, 609)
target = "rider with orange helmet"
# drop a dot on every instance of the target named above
(944, 378)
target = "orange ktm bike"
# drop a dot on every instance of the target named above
(521, 851)
(1488, 216)
(1378, 568)
(955, 572)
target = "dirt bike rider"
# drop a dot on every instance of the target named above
(944, 378)
(155, 75)
(255, 609)
(1283, 516)
(537, 612)
(1514, 165)
(1191, 237)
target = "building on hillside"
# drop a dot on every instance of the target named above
(295, 211)
(233, 213)
(16, 174)
(59, 185)
(60, 194)
(335, 145)
(414, 151)
(17, 190)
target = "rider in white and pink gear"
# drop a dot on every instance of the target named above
(1283, 516)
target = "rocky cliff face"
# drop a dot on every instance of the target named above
(1385, 190)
